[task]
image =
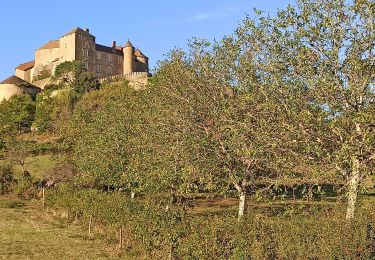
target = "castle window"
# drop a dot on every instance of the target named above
(86, 65)
(98, 56)
(110, 70)
(109, 57)
(85, 52)
(98, 68)
(119, 71)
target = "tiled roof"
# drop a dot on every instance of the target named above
(77, 30)
(103, 48)
(13, 80)
(26, 66)
(138, 53)
(51, 45)
(26, 86)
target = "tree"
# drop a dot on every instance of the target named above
(6, 178)
(17, 112)
(54, 106)
(74, 74)
(44, 73)
(216, 126)
(327, 48)
(105, 137)
(69, 71)
(53, 109)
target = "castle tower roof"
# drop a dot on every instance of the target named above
(128, 44)
(138, 53)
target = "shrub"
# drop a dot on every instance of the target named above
(25, 188)
(44, 73)
(6, 179)
(157, 228)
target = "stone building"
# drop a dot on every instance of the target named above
(78, 44)
(16, 86)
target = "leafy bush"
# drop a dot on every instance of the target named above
(6, 179)
(25, 187)
(44, 73)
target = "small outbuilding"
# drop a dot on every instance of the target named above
(16, 86)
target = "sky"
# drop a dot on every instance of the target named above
(156, 27)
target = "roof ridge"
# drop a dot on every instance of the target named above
(77, 29)
(26, 66)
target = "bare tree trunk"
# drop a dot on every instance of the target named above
(43, 199)
(90, 225)
(171, 252)
(121, 238)
(353, 189)
(241, 207)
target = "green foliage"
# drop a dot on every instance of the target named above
(55, 104)
(69, 71)
(53, 108)
(153, 228)
(105, 135)
(16, 112)
(43, 74)
(25, 188)
(73, 73)
(6, 178)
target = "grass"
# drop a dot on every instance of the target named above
(36, 165)
(28, 233)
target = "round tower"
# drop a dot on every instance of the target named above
(128, 57)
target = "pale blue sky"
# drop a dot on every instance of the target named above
(155, 27)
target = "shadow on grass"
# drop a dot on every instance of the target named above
(12, 205)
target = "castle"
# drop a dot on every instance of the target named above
(102, 61)
(78, 44)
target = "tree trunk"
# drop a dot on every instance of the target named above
(90, 226)
(43, 199)
(241, 207)
(121, 238)
(353, 189)
(310, 193)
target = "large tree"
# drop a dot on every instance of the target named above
(105, 135)
(327, 48)
(219, 125)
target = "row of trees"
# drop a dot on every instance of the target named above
(284, 101)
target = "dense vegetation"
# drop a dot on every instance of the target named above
(280, 115)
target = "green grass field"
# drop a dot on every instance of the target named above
(28, 233)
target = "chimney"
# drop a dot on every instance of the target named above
(114, 44)
(87, 30)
